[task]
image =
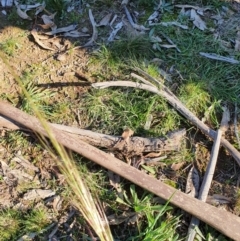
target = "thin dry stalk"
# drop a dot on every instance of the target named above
(207, 180)
(142, 79)
(83, 200)
(235, 125)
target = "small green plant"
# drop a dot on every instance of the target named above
(38, 96)
(111, 110)
(58, 6)
(195, 97)
(37, 220)
(132, 47)
(10, 224)
(10, 46)
(156, 225)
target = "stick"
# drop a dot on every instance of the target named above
(207, 180)
(235, 124)
(95, 31)
(137, 145)
(176, 103)
(224, 222)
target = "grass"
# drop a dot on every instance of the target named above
(10, 221)
(10, 46)
(37, 220)
(14, 224)
(151, 220)
(205, 85)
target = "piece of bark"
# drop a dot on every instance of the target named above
(135, 145)
(225, 222)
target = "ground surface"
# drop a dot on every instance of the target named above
(59, 81)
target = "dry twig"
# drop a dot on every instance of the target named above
(207, 180)
(235, 125)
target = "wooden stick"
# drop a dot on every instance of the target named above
(135, 145)
(235, 124)
(225, 222)
(207, 180)
(176, 103)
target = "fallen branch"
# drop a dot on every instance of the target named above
(235, 124)
(95, 31)
(176, 103)
(135, 145)
(207, 180)
(223, 221)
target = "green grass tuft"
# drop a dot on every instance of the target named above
(10, 223)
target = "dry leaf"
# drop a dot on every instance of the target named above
(22, 14)
(85, 30)
(46, 26)
(7, 3)
(217, 199)
(219, 57)
(166, 24)
(48, 21)
(124, 2)
(36, 194)
(21, 175)
(95, 31)
(225, 120)
(27, 7)
(152, 154)
(127, 133)
(237, 45)
(105, 21)
(193, 182)
(153, 16)
(148, 122)
(115, 31)
(156, 39)
(57, 202)
(118, 219)
(40, 8)
(62, 30)
(114, 180)
(168, 46)
(197, 21)
(28, 236)
(25, 163)
(113, 20)
(134, 219)
(75, 34)
(61, 57)
(193, 7)
(36, 38)
(177, 166)
(5, 168)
